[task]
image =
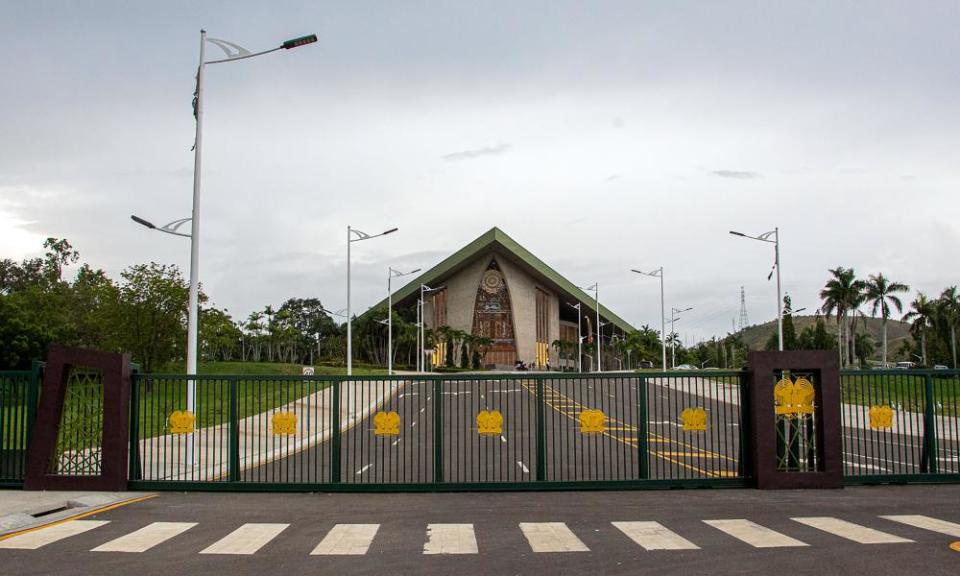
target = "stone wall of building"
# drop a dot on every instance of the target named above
(462, 294)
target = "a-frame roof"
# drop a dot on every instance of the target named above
(498, 241)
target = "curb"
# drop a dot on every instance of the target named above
(69, 513)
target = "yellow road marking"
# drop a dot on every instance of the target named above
(955, 546)
(78, 516)
(700, 454)
(553, 403)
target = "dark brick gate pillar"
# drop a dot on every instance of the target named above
(795, 423)
(80, 436)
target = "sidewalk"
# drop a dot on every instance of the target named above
(21, 509)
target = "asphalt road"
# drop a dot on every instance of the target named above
(887, 530)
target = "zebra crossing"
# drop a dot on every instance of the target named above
(461, 538)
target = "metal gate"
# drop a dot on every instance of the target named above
(513, 431)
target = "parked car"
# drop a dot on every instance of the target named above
(940, 367)
(646, 364)
(685, 367)
(906, 365)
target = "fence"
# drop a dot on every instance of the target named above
(18, 400)
(901, 425)
(483, 431)
(438, 432)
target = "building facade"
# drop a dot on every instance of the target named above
(498, 291)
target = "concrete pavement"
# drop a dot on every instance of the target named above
(889, 530)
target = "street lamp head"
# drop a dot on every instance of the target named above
(390, 231)
(735, 233)
(143, 222)
(297, 42)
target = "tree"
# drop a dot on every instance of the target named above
(921, 314)
(151, 313)
(841, 294)
(881, 294)
(949, 313)
(865, 347)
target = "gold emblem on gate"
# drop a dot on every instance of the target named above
(794, 398)
(180, 422)
(386, 424)
(490, 423)
(284, 423)
(694, 420)
(881, 417)
(593, 422)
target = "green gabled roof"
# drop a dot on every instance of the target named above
(498, 240)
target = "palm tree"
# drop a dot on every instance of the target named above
(841, 294)
(949, 304)
(880, 293)
(922, 312)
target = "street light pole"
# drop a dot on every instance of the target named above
(579, 337)
(390, 275)
(233, 52)
(423, 327)
(351, 232)
(658, 273)
(765, 237)
(674, 316)
(596, 291)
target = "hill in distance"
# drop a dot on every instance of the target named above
(756, 336)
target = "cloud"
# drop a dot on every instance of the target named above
(476, 153)
(737, 174)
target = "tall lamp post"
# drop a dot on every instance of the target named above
(579, 337)
(391, 274)
(765, 237)
(354, 235)
(422, 345)
(658, 273)
(674, 316)
(596, 291)
(233, 52)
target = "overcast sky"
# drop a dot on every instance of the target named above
(602, 136)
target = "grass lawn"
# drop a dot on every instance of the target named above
(12, 427)
(161, 396)
(908, 391)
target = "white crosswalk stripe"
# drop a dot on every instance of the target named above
(48, 535)
(754, 534)
(347, 540)
(850, 531)
(450, 539)
(551, 537)
(654, 536)
(927, 523)
(146, 538)
(246, 539)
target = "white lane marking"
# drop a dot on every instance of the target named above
(145, 538)
(754, 534)
(450, 539)
(502, 439)
(414, 424)
(395, 442)
(927, 523)
(408, 394)
(551, 537)
(654, 536)
(849, 530)
(523, 467)
(44, 536)
(364, 469)
(246, 539)
(347, 540)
